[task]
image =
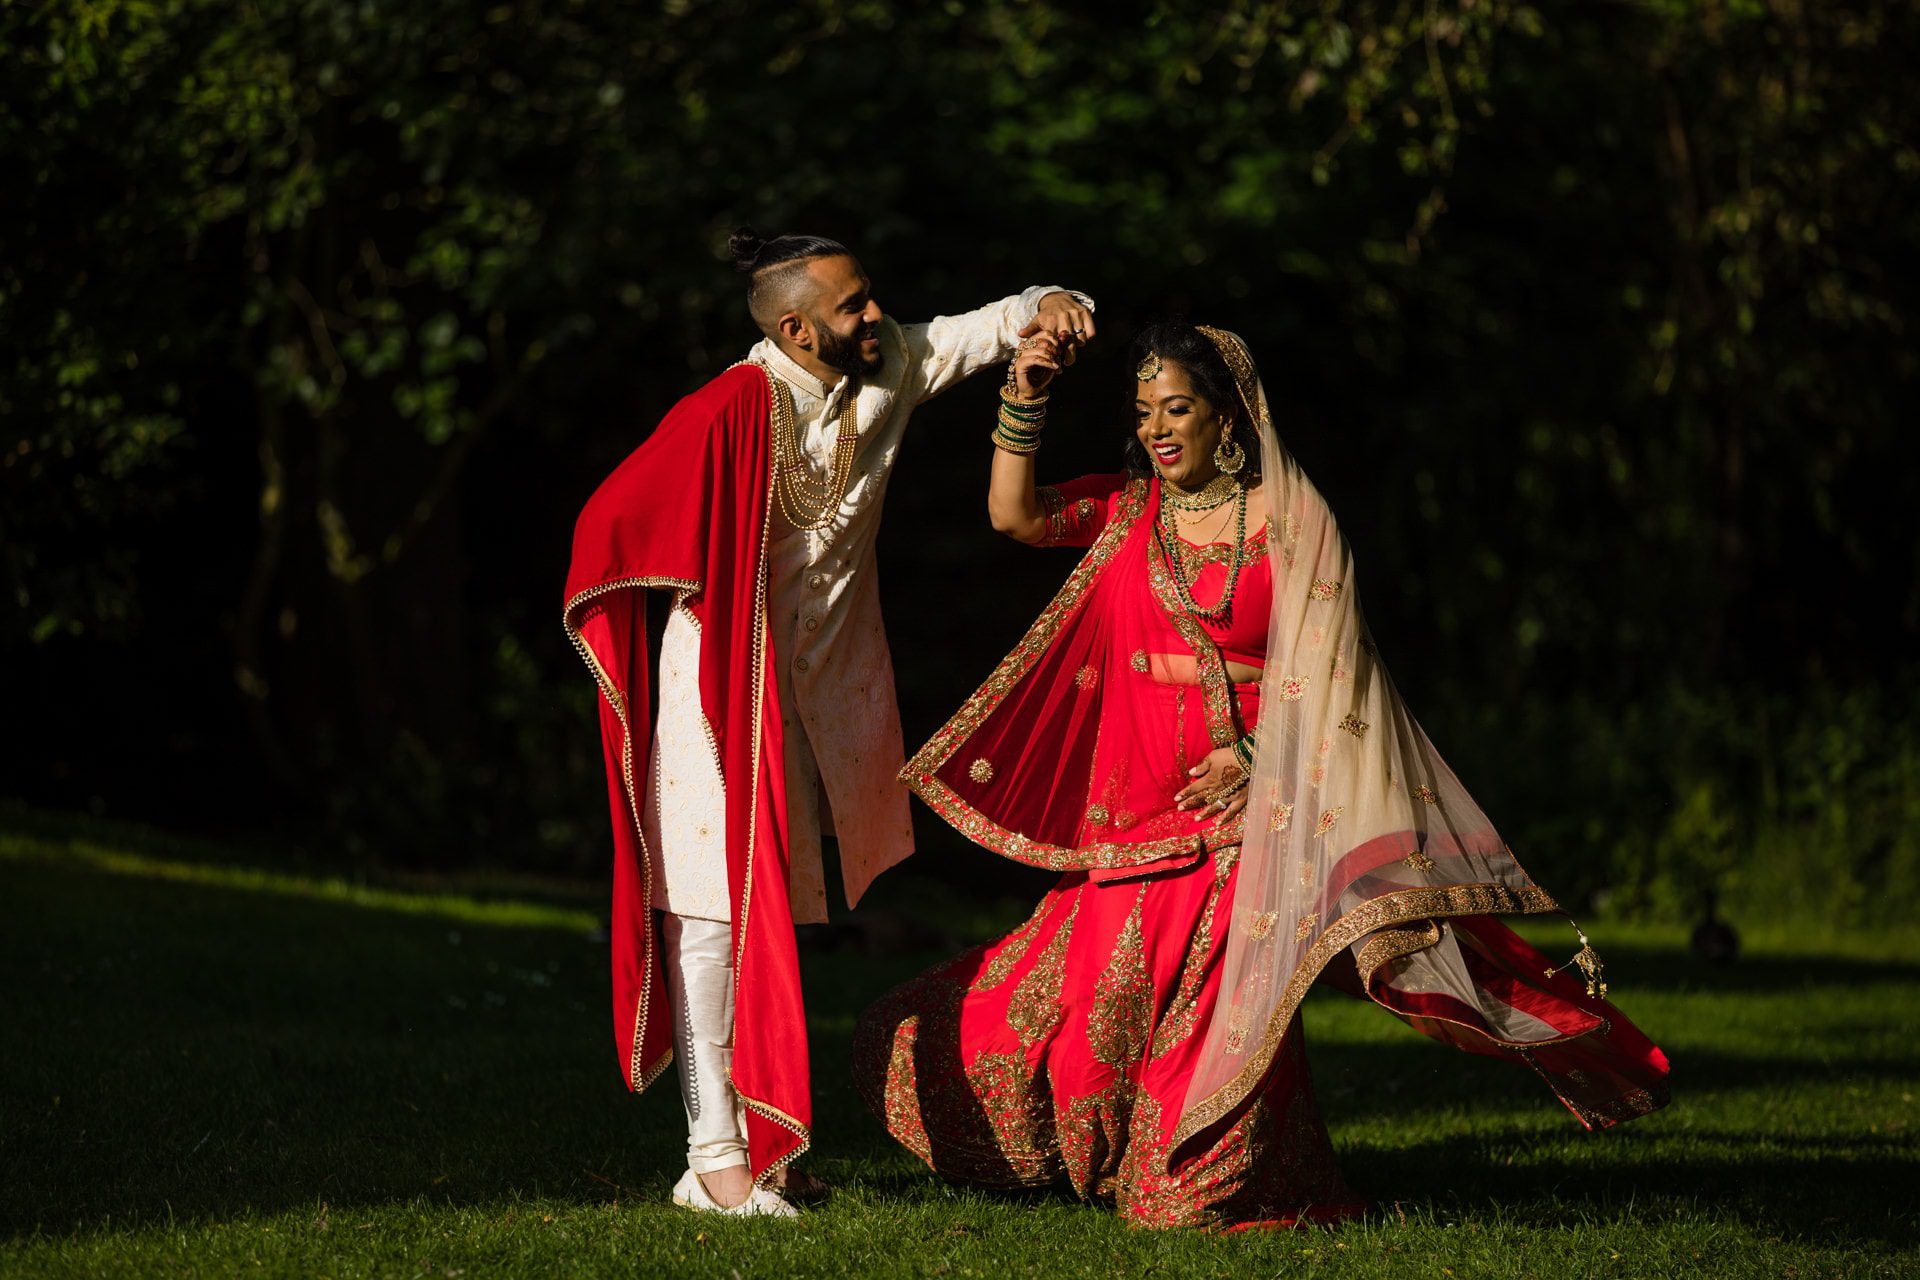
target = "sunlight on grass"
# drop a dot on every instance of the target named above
(313, 1077)
(97, 857)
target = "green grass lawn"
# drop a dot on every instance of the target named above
(212, 1071)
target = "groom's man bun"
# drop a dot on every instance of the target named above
(776, 271)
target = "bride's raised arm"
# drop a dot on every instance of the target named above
(1013, 503)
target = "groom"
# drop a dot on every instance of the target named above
(762, 710)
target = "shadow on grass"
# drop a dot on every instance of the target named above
(1825, 1192)
(192, 1051)
(200, 1051)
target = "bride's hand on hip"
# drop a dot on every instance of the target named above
(1039, 358)
(1218, 786)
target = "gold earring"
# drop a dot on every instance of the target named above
(1228, 455)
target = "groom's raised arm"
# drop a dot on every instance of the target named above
(947, 349)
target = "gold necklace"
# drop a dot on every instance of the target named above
(1211, 496)
(810, 502)
(1176, 560)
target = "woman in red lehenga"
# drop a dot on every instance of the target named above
(1197, 733)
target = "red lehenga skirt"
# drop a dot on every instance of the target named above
(1063, 1052)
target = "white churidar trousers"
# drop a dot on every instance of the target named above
(699, 965)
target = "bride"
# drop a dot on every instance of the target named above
(1198, 735)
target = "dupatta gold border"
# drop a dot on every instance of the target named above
(1215, 689)
(1383, 912)
(762, 631)
(639, 1074)
(919, 773)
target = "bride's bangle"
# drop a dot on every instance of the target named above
(1020, 424)
(1243, 752)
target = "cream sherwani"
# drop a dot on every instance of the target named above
(837, 703)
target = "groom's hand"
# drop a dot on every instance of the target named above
(1066, 319)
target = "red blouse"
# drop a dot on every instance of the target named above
(1076, 513)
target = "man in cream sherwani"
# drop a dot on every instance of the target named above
(826, 339)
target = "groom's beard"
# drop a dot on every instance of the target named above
(843, 354)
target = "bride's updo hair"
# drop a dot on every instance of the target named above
(1177, 342)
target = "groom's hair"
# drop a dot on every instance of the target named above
(776, 271)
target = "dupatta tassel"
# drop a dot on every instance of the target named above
(1591, 967)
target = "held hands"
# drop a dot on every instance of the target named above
(1039, 358)
(1049, 341)
(1218, 786)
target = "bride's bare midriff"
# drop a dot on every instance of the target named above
(1180, 668)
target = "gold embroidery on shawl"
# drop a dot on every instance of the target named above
(1223, 864)
(1262, 925)
(1354, 725)
(1279, 817)
(1086, 677)
(1121, 1018)
(981, 770)
(1323, 589)
(1304, 929)
(1328, 818)
(919, 773)
(1216, 691)
(1237, 1032)
(1097, 815)
(1418, 861)
(1427, 794)
(1341, 933)
(1291, 689)
(1138, 661)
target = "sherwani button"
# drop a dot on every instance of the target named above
(800, 664)
(813, 624)
(817, 581)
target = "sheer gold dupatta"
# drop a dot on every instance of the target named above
(1358, 836)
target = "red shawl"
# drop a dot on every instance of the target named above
(687, 512)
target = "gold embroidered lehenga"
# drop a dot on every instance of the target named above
(1139, 1036)
(1064, 1049)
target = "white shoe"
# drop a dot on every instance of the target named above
(691, 1193)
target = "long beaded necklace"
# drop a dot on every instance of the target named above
(810, 502)
(1211, 497)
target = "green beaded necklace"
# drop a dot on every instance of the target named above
(1169, 532)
